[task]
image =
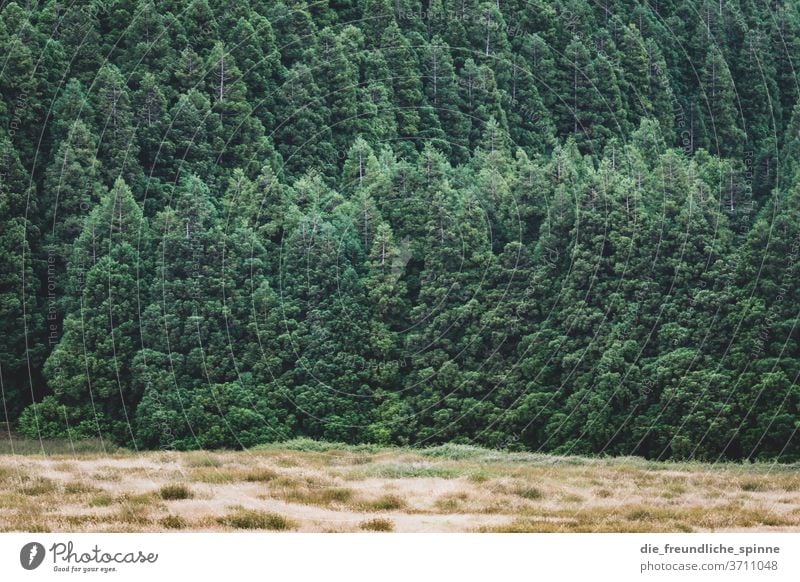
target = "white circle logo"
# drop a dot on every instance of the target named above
(31, 555)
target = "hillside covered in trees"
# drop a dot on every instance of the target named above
(570, 226)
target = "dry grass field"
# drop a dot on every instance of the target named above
(315, 487)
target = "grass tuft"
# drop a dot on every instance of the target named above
(79, 488)
(260, 474)
(172, 522)
(254, 519)
(404, 471)
(202, 459)
(529, 492)
(388, 502)
(378, 524)
(133, 515)
(101, 500)
(38, 486)
(323, 496)
(175, 492)
(311, 446)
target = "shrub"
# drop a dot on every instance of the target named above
(50, 419)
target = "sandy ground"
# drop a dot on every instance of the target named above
(351, 490)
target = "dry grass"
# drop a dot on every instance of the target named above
(133, 515)
(377, 524)
(388, 502)
(79, 488)
(309, 486)
(201, 459)
(49, 448)
(528, 492)
(242, 518)
(175, 491)
(260, 474)
(324, 497)
(172, 522)
(38, 486)
(210, 474)
(101, 500)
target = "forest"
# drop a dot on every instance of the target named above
(565, 226)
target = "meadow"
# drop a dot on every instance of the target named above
(309, 486)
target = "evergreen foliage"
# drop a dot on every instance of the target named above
(562, 226)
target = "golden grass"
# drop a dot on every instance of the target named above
(138, 499)
(241, 518)
(452, 502)
(175, 491)
(101, 500)
(201, 459)
(230, 474)
(642, 518)
(79, 488)
(388, 502)
(133, 515)
(310, 486)
(260, 474)
(172, 522)
(211, 475)
(322, 496)
(377, 525)
(528, 492)
(38, 486)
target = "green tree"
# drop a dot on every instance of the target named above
(303, 135)
(91, 363)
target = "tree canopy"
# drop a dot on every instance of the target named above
(560, 226)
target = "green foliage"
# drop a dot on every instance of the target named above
(561, 226)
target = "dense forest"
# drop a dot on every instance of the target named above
(568, 226)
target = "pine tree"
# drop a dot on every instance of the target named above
(118, 148)
(146, 40)
(20, 352)
(200, 26)
(295, 32)
(74, 188)
(91, 363)
(150, 105)
(188, 71)
(720, 107)
(188, 145)
(408, 96)
(530, 124)
(442, 92)
(78, 31)
(338, 82)
(303, 133)
(481, 98)
(252, 45)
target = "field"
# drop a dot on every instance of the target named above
(316, 487)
